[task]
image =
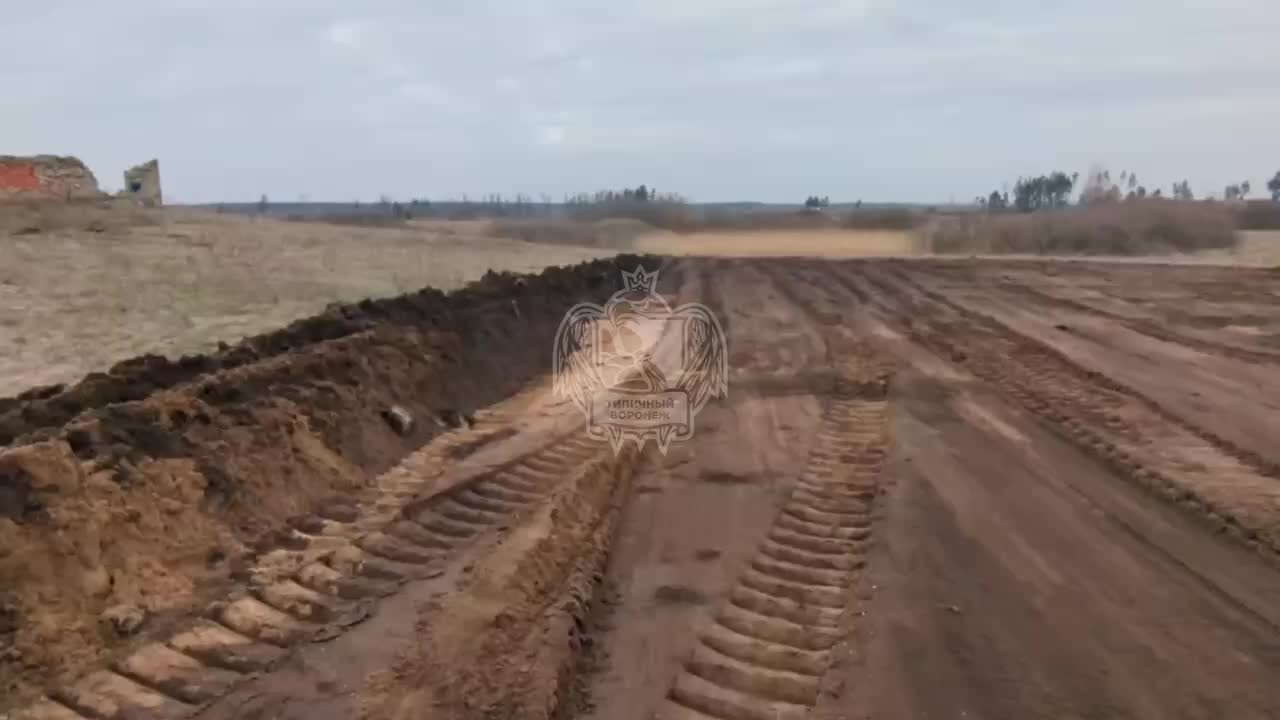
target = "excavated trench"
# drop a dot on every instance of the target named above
(140, 496)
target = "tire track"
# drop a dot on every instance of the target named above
(1138, 325)
(794, 344)
(766, 652)
(1128, 432)
(1047, 359)
(339, 562)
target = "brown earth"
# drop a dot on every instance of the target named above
(157, 483)
(936, 489)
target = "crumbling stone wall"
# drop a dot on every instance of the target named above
(142, 183)
(46, 177)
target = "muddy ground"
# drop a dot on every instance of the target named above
(986, 489)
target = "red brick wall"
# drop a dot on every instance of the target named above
(18, 176)
(46, 177)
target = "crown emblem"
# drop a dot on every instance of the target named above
(641, 280)
(638, 369)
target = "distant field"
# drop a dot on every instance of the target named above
(762, 243)
(1260, 247)
(74, 301)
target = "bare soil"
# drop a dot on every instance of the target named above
(994, 489)
(158, 484)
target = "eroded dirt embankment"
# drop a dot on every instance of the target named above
(147, 490)
(49, 407)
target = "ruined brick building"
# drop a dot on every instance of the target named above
(46, 177)
(142, 183)
(53, 177)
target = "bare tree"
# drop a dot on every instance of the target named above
(1099, 189)
(1274, 186)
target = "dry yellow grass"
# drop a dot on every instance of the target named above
(1257, 247)
(74, 301)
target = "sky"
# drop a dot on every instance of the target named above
(769, 100)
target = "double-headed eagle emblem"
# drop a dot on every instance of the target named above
(636, 367)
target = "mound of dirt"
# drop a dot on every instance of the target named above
(50, 407)
(151, 486)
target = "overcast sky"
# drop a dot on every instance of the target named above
(716, 99)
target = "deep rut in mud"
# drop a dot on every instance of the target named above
(346, 556)
(765, 654)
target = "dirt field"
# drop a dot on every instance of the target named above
(937, 488)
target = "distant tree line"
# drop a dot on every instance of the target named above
(639, 195)
(1055, 190)
(1043, 192)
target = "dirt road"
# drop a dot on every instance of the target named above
(936, 489)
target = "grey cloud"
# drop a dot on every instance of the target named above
(718, 99)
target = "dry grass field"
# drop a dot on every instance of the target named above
(1257, 248)
(74, 300)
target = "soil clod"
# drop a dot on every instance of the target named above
(399, 419)
(124, 620)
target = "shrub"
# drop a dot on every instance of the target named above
(1258, 215)
(668, 213)
(764, 219)
(882, 219)
(612, 233)
(370, 219)
(1139, 227)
